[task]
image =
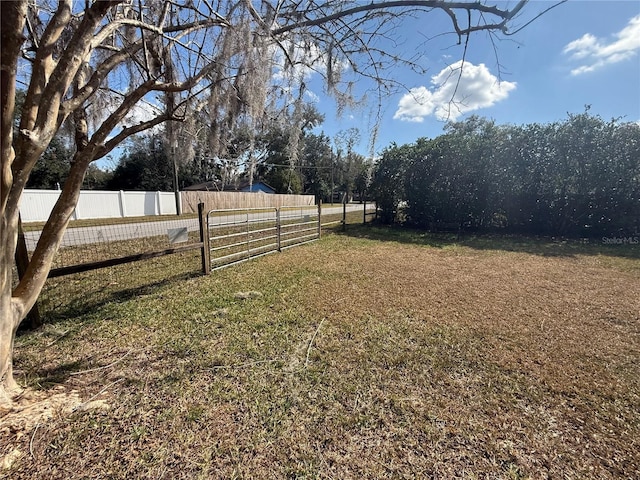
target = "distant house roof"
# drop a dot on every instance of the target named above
(212, 186)
(241, 186)
(256, 187)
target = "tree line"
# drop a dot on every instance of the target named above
(322, 165)
(578, 177)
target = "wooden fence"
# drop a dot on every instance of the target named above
(229, 200)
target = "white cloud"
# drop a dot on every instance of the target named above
(304, 63)
(141, 112)
(596, 53)
(478, 88)
(311, 96)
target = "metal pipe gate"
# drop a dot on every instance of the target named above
(237, 235)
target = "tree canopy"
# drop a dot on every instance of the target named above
(145, 166)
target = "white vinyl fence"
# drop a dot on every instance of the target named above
(36, 205)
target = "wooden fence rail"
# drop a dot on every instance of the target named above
(229, 200)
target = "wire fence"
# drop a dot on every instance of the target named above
(97, 240)
(341, 215)
(99, 244)
(71, 295)
(79, 275)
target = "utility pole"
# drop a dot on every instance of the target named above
(332, 186)
(176, 189)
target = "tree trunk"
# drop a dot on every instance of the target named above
(11, 310)
(9, 321)
(15, 305)
(12, 22)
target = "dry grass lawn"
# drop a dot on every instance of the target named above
(370, 355)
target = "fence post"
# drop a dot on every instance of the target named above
(123, 208)
(278, 230)
(364, 213)
(248, 237)
(22, 261)
(319, 218)
(204, 238)
(344, 213)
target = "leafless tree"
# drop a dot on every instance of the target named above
(114, 68)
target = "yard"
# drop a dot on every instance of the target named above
(371, 354)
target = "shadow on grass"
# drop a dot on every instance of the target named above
(543, 246)
(80, 303)
(51, 377)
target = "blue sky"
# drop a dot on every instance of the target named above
(583, 52)
(580, 53)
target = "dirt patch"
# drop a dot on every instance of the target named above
(33, 410)
(37, 408)
(247, 295)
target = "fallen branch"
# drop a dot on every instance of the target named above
(55, 340)
(32, 437)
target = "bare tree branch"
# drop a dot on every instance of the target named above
(44, 63)
(97, 79)
(505, 15)
(536, 17)
(129, 131)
